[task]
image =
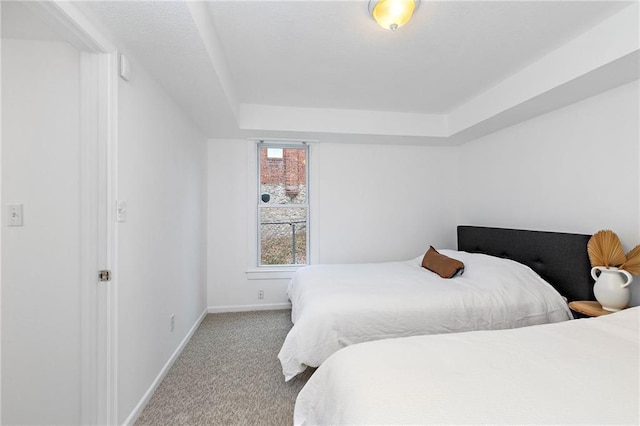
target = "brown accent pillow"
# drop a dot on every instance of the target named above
(442, 265)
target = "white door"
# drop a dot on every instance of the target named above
(56, 317)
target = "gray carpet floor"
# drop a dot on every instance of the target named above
(229, 374)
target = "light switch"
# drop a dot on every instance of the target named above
(121, 211)
(16, 215)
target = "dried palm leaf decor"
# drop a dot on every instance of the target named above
(632, 265)
(605, 249)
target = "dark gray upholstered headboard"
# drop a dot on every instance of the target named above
(560, 258)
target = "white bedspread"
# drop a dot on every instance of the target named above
(338, 305)
(580, 372)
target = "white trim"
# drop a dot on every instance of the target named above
(313, 180)
(286, 206)
(252, 194)
(89, 265)
(288, 141)
(264, 273)
(109, 237)
(1, 221)
(100, 299)
(131, 419)
(248, 308)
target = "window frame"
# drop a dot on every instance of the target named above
(260, 205)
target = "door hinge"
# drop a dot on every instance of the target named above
(104, 275)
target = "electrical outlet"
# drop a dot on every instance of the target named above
(172, 322)
(260, 294)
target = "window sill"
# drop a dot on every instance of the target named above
(275, 273)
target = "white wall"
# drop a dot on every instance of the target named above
(573, 170)
(40, 261)
(372, 203)
(383, 202)
(162, 245)
(227, 231)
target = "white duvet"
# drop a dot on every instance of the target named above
(579, 372)
(334, 306)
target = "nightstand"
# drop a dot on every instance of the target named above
(587, 308)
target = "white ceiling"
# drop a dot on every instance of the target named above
(323, 69)
(332, 54)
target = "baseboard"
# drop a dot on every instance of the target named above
(247, 308)
(149, 393)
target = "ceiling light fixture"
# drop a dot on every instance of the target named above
(392, 14)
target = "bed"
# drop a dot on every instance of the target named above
(584, 371)
(334, 306)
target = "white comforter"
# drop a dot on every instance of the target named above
(338, 305)
(580, 372)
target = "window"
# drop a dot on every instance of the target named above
(283, 204)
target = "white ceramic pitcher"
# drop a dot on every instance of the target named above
(612, 287)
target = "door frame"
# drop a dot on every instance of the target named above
(98, 177)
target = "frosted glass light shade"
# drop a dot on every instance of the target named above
(392, 14)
